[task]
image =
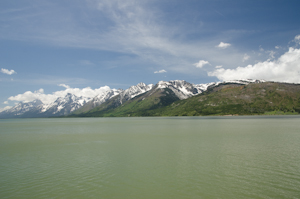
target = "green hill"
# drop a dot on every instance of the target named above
(224, 99)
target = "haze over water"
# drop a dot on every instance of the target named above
(172, 157)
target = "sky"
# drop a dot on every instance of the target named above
(51, 47)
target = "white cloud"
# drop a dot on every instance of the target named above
(223, 45)
(246, 57)
(285, 69)
(277, 47)
(161, 71)
(201, 63)
(219, 66)
(49, 98)
(6, 102)
(64, 85)
(297, 39)
(30, 96)
(8, 72)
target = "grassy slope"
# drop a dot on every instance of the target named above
(263, 98)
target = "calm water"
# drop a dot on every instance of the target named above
(186, 157)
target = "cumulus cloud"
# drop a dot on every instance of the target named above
(30, 96)
(285, 69)
(49, 98)
(161, 71)
(8, 72)
(219, 66)
(223, 45)
(201, 63)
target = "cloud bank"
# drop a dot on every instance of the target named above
(285, 69)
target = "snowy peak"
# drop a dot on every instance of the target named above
(134, 91)
(99, 99)
(103, 97)
(184, 90)
(29, 109)
(21, 108)
(65, 105)
(181, 88)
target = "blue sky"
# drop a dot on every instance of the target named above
(51, 45)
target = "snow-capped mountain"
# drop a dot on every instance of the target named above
(184, 90)
(181, 88)
(70, 103)
(133, 91)
(64, 105)
(99, 99)
(118, 96)
(103, 97)
(23, 108)
(61, 106)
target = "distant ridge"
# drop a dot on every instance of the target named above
(170, 98)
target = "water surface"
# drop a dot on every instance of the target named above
(172, 157)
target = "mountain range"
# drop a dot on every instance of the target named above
(170, 98)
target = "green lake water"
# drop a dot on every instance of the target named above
(151, 158)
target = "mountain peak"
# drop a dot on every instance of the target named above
(181, 88)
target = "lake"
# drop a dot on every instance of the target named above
(157, 158)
